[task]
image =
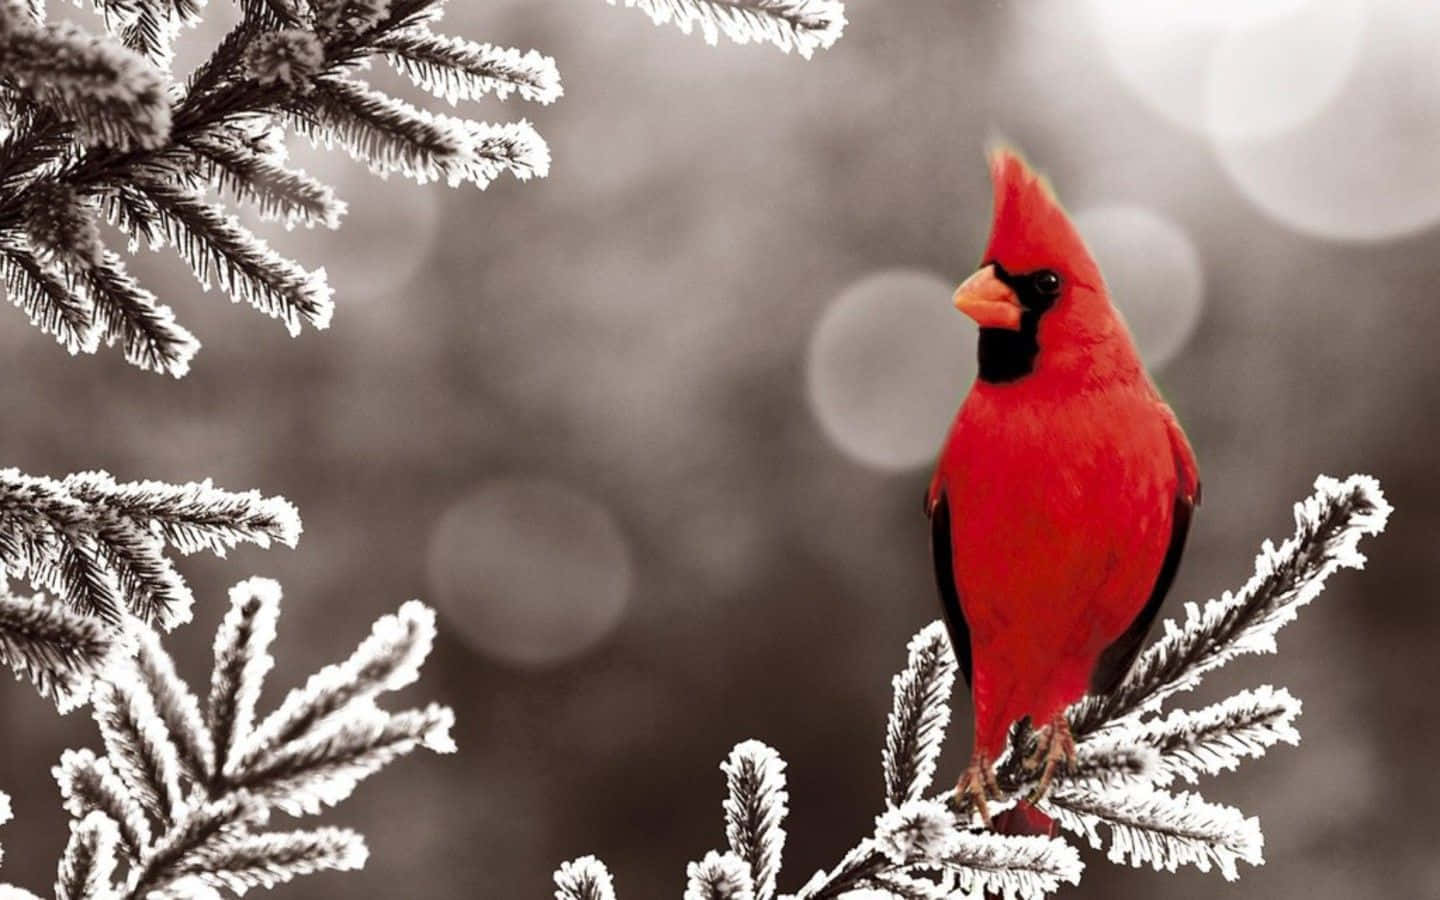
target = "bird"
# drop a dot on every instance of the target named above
(1061, 497)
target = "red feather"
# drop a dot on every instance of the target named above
(1060, 490)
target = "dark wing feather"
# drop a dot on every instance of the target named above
(1117, 659)
(940, 549)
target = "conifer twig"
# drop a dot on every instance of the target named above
(171, 808)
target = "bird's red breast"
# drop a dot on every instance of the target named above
(1063, 491)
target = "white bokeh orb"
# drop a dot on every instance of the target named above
(1367, 168)
(1233, 68)
(529, 572)
(889, 362)
(1153, 272)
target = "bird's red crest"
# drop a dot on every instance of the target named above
(1030, 229)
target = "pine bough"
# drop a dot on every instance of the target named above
(177, 803)
(100, 548)
(922, 849)
(92, 130)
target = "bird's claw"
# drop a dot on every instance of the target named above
(976, 787)
(1054, 749)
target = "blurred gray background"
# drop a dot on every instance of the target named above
(652, 433)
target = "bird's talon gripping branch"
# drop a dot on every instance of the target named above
(1054, 752)
(976, 787)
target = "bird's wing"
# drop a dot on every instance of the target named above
(1115, 662)
(940, 548)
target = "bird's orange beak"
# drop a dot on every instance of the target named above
(988, 300)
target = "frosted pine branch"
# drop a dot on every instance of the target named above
(805, 25)
(218, 248)
(919, 716)
(719, 876)
(99, 546)
(585, 878)
(110, 95)
(922, 850)
(457, 69)
(1328, 527)
(87, 868)
(1217, 738)
(755, 809)
(1169, 830)
(242, 660)
(169, 823)
(100, 125)
(389, 659)
(57, 650)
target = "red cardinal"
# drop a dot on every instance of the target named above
(1063, 494)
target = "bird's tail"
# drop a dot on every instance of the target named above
(1024, 818)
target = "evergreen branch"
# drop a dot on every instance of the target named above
(242, 659)
(755, 807)
(89, 784)
(515, 147)
(176, 706)
(280, 194)
(127, 314)
(1168, 830)
(59, 651)
(158, 748)
(100, 545)
(389, 659)
(805, 25)
(151, 32)
(112, 96)
(1215, 739)
(585, 878)
(244, 861)
(1024, 866)
(197, 826)
(1328, 526)
(137, 744)
(87, 868)
(719, 876)
(322, 769)
(45, 295)
(919, 715)
(194, 516)
(213, 243)
(458, 69)
(386, 134)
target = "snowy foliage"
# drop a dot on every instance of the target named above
(172, 807)
(922, 849)
(99, 127)
(805, 25)
(100, 548)
(918, 718)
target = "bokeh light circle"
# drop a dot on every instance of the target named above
(529, 572)
(1233, 69)
(1368, 167)
(1153, 272)
(889, 362)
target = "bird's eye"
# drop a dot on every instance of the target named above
(1047, 282)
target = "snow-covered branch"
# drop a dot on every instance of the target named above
(805, 25)
(923, 849)
(171, 808)
(100, 546)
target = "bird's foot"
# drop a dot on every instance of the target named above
(1054, 749)
(977, 786)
